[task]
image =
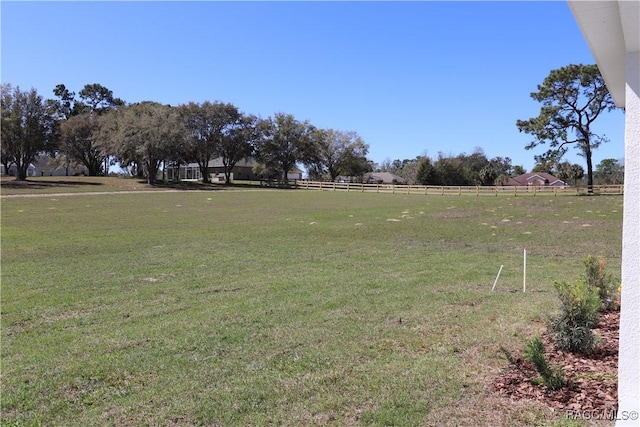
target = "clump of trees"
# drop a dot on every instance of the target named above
(463, 169)
(79, 122)
(27, 128)
(338, 153)
(609, 172)
(93, 128)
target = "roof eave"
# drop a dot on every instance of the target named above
(610, 29)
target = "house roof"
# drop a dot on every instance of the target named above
(529, 178)
(247, 162)
(386, 177)
(48, 164)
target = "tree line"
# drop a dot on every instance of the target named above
(476, 169)
(462, 169)
(572, 98)
(92, 128)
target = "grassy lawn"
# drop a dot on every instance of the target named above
(240, 308)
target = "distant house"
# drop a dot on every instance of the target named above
(539, 179)
(373, 178)
(243, 170)
(384, 178)
(294, 174)
(31, 170)
(49, 166)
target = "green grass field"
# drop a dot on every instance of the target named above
(238, 308)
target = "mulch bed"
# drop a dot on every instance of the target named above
(593, 379)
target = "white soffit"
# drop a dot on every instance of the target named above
(630, 17)
(601, 23)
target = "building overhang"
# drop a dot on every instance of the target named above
(611, 30)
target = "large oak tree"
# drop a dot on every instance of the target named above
(78, 122)
(209, 124)
(337, 153)
(239, 143)
(147, 134)
(27, 128)
(80, 141)
(285, 142)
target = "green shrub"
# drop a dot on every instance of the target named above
(597, 278)
(551, 377)
(572, 327)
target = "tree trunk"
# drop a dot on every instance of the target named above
(94, 166)
(205, 175)
(21, 170)
(227, 170)
(21, 174)
(589, 172)
(203, 164)
(152, 171)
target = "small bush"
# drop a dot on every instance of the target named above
(551, 377)
(597, 278)
(572, 327)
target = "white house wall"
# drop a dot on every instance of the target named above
(629, 356)
(612, 31)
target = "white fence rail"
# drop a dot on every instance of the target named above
(457, 190)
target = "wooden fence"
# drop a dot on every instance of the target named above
(457, 190)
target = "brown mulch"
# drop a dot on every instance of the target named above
(593, 380)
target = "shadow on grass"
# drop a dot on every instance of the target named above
(215, 186)
(131, 184)
(38, 184)
(184, 185)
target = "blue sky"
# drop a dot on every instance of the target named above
(412, 78)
